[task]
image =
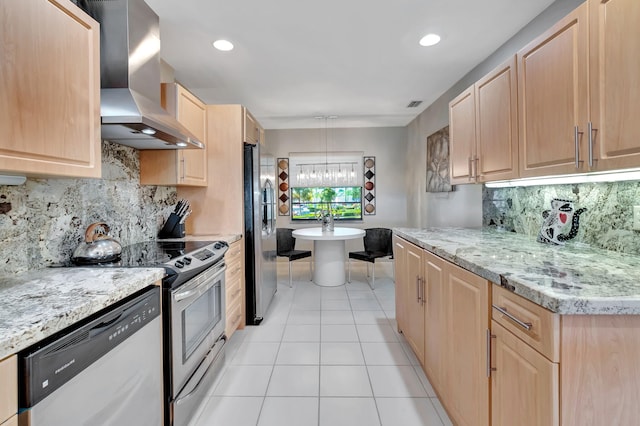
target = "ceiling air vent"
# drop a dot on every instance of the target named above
(414, 104)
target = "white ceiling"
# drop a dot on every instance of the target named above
(357, 59)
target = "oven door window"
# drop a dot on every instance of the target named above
(199, 318)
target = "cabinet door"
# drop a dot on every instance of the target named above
(414, 327)
(435, 333)
(497, 124)
(192, 114)
(251, 128)
(9, 386)
(462, 137)
(467, 316)
(524, 385)
(552, 93)
(400, 268)
(180, 167)
(50, 85)
(218, 208)
(615, 83)
(234, 288)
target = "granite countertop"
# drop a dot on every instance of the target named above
(39, 303)
(569, 279)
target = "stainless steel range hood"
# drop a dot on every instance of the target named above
(130, 78)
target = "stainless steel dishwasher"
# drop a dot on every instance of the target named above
(107, 370)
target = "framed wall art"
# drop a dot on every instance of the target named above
(438, 161)
(369, 186)
(283, 187)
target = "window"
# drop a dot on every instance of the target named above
(345, 202)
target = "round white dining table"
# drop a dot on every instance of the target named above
(328, 252)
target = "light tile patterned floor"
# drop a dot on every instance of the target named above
(324, 356)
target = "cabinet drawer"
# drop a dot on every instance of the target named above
(535, 325)
(8, 387)
(234, 253)
(234, 270)
(233, 291)
(234, 318)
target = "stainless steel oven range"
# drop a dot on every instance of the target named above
(193, 323)
(193, 317)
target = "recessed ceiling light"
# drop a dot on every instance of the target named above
(148, 131)
(430, 40)
(181, 144)
(223, 45)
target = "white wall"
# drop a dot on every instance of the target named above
(387, 144)
(462, 207)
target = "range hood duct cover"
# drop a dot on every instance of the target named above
(130, 78)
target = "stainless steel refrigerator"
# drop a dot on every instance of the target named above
(259, 231)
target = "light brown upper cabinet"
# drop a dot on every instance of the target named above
(180, 167)
(462, 137)
(579, 85)
(50, 85)
(218, 208)
(251, 128)
(614, 66)
(552, 77)
(483, 128)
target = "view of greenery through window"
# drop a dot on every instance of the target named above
(345, 202)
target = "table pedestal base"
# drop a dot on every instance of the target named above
(329, 258)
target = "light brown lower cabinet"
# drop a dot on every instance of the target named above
(524, 384)
(13, 421)
(234, 288)
(445, 318)
(435, 333)
(467, 320)
(494, 357)
(8, 389)
(414, 329)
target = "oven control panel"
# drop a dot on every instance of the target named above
(202, 258)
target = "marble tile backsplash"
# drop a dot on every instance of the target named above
(606, 224)
(42, 221)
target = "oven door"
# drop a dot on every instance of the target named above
(197, 322)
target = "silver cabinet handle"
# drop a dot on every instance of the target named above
(489, 337)
(470, 168)
(576, 137)
(526, 325)
(577, 142)
(423, 282)
(183, 168)
(417, 289)
(477, 163)
(590, 129)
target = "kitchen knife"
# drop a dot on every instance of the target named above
(185, 216)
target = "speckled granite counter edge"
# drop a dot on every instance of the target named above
(30, 316)
(558, 303)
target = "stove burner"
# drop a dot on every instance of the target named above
(86, 261)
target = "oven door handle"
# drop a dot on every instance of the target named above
(200, 288)
(201, 372)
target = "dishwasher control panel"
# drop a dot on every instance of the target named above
(47, 365)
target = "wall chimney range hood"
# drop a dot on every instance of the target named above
(130, 78)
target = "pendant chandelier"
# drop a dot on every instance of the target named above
(322, 172)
